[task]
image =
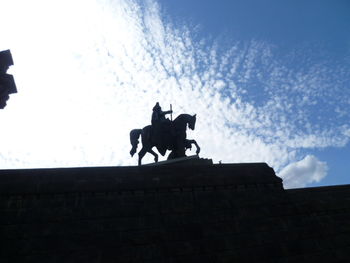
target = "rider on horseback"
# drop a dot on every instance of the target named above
(158, 115)
(160, 125)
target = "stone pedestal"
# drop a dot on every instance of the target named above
(186, 211)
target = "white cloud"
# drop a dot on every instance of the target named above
(307, 170)
(346, 130)
(86, 80)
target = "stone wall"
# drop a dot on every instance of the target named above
(175, 213)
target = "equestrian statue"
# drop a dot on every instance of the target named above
(7, 82)
(164, 134)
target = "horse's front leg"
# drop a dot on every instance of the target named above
(196, 144)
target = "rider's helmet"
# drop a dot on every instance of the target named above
(157, 107)
(5, 60)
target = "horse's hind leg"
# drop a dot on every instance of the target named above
(171, 155)
(141, 154)
(154, 154)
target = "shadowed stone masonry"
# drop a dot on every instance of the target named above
(186, 211)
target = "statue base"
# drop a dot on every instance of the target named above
(187, 160)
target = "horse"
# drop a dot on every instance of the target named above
(175, 140)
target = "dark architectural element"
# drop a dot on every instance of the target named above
(181, 211)
(7, 83)
(165, 135)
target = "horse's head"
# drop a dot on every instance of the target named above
(192, 122)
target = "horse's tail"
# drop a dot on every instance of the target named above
(134, 140)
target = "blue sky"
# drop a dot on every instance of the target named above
(317, 31)
(267, 79)
(303, 34)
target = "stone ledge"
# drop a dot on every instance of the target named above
(144, 178)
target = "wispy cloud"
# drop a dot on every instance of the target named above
(85, 83)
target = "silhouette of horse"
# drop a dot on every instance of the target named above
(175, 140)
